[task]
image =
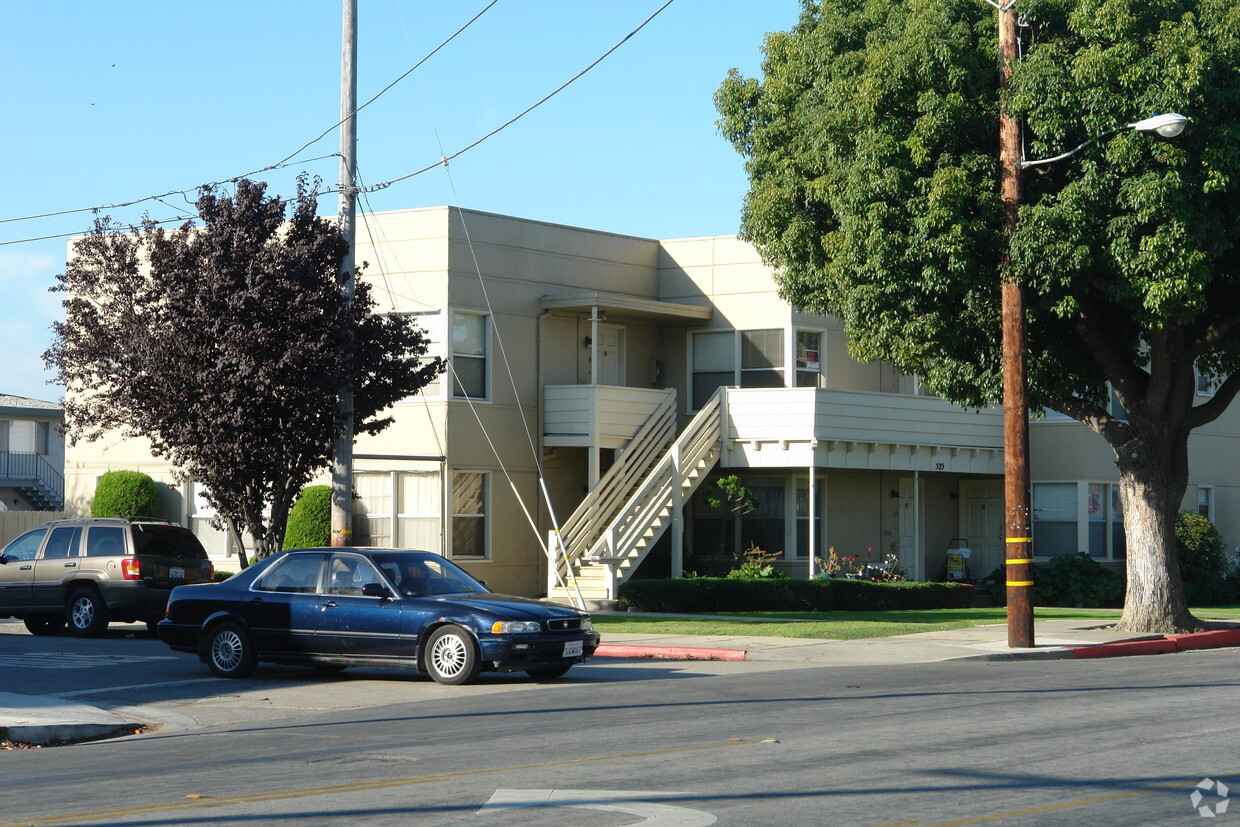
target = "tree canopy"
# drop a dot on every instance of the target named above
(221, 345)
(872, 149)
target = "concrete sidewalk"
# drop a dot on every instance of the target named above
(1053, 639)
(29, 719)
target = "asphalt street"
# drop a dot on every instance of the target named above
(1115, 741)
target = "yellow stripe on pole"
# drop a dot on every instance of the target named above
(1020, 539)
(1020, 582)
(1019, 560)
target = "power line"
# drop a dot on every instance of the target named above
(282, 163)
(443, 161)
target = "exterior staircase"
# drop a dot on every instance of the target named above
(34, 478)
(601, 544)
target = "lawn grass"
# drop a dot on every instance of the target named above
(851, 625)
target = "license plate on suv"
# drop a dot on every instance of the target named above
(572, 649)
(176, 572)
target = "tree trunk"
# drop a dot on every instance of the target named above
(1153, 478)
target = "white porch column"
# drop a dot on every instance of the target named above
(678, 515)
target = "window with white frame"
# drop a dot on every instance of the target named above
(762, 358)
(1205, 501)
(1054, 519)
(469, 355)
(744, 358)
(1058, 528)
(809, 359)
(469, 514)
(431, 323)
(372, 509)
(714, 364)
(420, 498)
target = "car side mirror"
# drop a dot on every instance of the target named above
(4, 561)
(375, 590)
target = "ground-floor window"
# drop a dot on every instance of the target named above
(469, 514)
(1073, 517)
(777, 523)
(398, 509)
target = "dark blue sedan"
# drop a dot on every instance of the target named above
(334, 608)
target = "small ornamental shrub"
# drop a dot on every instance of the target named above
(310, 519)
(124, 494)
(757, 564)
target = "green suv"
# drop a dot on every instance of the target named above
(85, 573)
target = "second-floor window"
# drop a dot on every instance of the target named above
(469, 355)
(744, 358)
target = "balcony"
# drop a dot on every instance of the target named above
(599, 416)
(783, 427)
(34, 478)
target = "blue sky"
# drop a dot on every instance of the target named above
(112, 102)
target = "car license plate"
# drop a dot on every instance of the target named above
(572, 649)
(176, 573)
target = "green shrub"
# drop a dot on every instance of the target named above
(124, 494)
(310, 519)
(1204, 565)
(708, 594)
(757, 564)
(1078, 581)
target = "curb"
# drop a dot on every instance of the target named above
(1215, 639)
(620, 650)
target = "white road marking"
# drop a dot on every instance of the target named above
(622, 801)
(75, 661)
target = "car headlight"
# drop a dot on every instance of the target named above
(508, 627)
(586, 625)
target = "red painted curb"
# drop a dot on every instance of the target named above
(1214, 639)
(1158, 646)
(620, 650)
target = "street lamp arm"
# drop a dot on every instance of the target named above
(1168, 126)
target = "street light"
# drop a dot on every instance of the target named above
(1018, 527)
(1168, 126)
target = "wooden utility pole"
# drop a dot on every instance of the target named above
(342, 447)
(1017, 520)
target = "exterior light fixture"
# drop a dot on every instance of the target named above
(1167, 126)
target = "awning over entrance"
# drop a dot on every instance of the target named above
(620, 305)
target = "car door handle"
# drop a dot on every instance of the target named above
(331, 604)
(25, 568)
(70, 565)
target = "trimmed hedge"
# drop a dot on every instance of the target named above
(310, 519)
(124, 494)
(712, 594)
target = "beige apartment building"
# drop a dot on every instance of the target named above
(599, 382)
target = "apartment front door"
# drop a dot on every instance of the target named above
(610, 350)
(982, 523)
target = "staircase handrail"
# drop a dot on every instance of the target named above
(32, 466)
(582, 527)
(703, 433)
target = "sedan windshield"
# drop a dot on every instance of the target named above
(421, 575)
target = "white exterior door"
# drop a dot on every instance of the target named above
(982, 523)
(911, 558)
(610, 350)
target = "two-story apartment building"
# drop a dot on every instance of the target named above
(598, 380)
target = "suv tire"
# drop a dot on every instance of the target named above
(86, 613)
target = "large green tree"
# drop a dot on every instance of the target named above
(221, 345)
(872, 143)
